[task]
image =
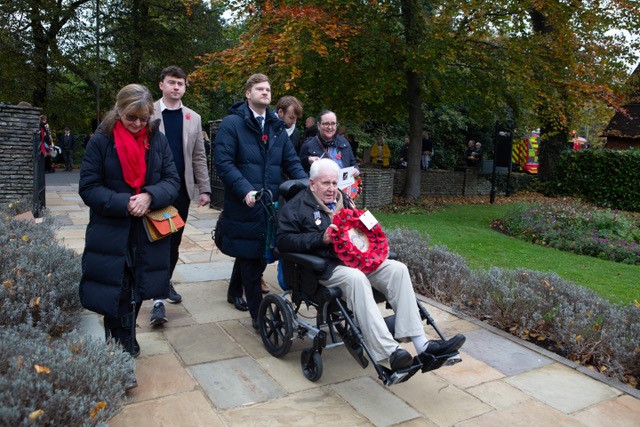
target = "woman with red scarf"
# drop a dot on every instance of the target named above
(127, 171)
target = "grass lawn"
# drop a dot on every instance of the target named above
(465, 230)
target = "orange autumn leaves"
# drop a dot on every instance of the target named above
(45, 370)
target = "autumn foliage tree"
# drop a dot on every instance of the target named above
(395, 61)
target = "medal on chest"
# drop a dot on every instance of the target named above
(316, 217)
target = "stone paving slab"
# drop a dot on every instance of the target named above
(91, 325)
(338, 366)
(202, 343)
(442, 403)
(236, 382)
(204, 224)
(524, 415)
(562, 388)
(184, 409)
(317, 407)
(622, 411)
(242, 333)
(499, 394)
(207, 302)
(502, 354)
(203, 272)
(159, 376)
(469, 373)
(375, 402)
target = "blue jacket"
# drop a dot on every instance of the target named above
(113, 235)
(245, 163)
(313, 147)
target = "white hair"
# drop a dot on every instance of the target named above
(323, 165)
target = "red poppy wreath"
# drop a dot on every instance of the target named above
(357, 246)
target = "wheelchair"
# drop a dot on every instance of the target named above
(280, 322)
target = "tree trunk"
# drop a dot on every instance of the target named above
(40, 60)
(412, 177)
(413, 32)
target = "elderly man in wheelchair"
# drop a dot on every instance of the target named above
(305, 227)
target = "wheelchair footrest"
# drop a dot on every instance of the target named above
(431, 362)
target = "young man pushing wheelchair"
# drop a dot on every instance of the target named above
(305, 226)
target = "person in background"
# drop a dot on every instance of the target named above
(310, 129)
(380, 153)
(344, 132)
(328, 144)
(252, 151)
(404, 154)
(183, 129)
(427, 150)
(289, 110)
(46, 145)
(68, 145)
(469, 160)
(127, 171)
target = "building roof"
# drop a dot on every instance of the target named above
(626, 124)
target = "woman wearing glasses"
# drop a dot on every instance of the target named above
(127, 171)
(327, 144)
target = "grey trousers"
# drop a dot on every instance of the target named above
(393, 280)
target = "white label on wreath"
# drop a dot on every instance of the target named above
(368, 220)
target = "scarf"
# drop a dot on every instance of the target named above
(131, 150)
(339, 204)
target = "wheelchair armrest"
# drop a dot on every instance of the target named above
(316, 263)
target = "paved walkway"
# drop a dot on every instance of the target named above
(207, 367)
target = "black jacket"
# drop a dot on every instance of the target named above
(245, 163)
(298, 231)
(313, 147)
(113, 235)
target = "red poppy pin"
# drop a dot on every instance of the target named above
(187, 116)
(265, 138)
(338, 156)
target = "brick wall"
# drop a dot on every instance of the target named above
(467, 182)
(377, 188)
(17, 125)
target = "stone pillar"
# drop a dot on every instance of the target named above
(377, 188)
(17, 127)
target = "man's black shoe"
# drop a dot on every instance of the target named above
(238, 302)
(399, 359)
(254, 323)
(438, 347)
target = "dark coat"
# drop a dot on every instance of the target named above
(113, 235)
(245, 163)
(313, 147)
(68, 143)
(298, 231)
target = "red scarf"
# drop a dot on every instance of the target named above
(131, 152)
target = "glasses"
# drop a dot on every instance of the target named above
(133, 118)
(329, 125)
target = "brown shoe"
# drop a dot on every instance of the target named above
(264, 286)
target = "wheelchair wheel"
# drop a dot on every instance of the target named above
(311, 362)
(276, 325)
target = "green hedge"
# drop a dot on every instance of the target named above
(607, 178)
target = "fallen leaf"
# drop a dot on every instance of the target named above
(99, 407)
(42, 369)
(36, 414)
